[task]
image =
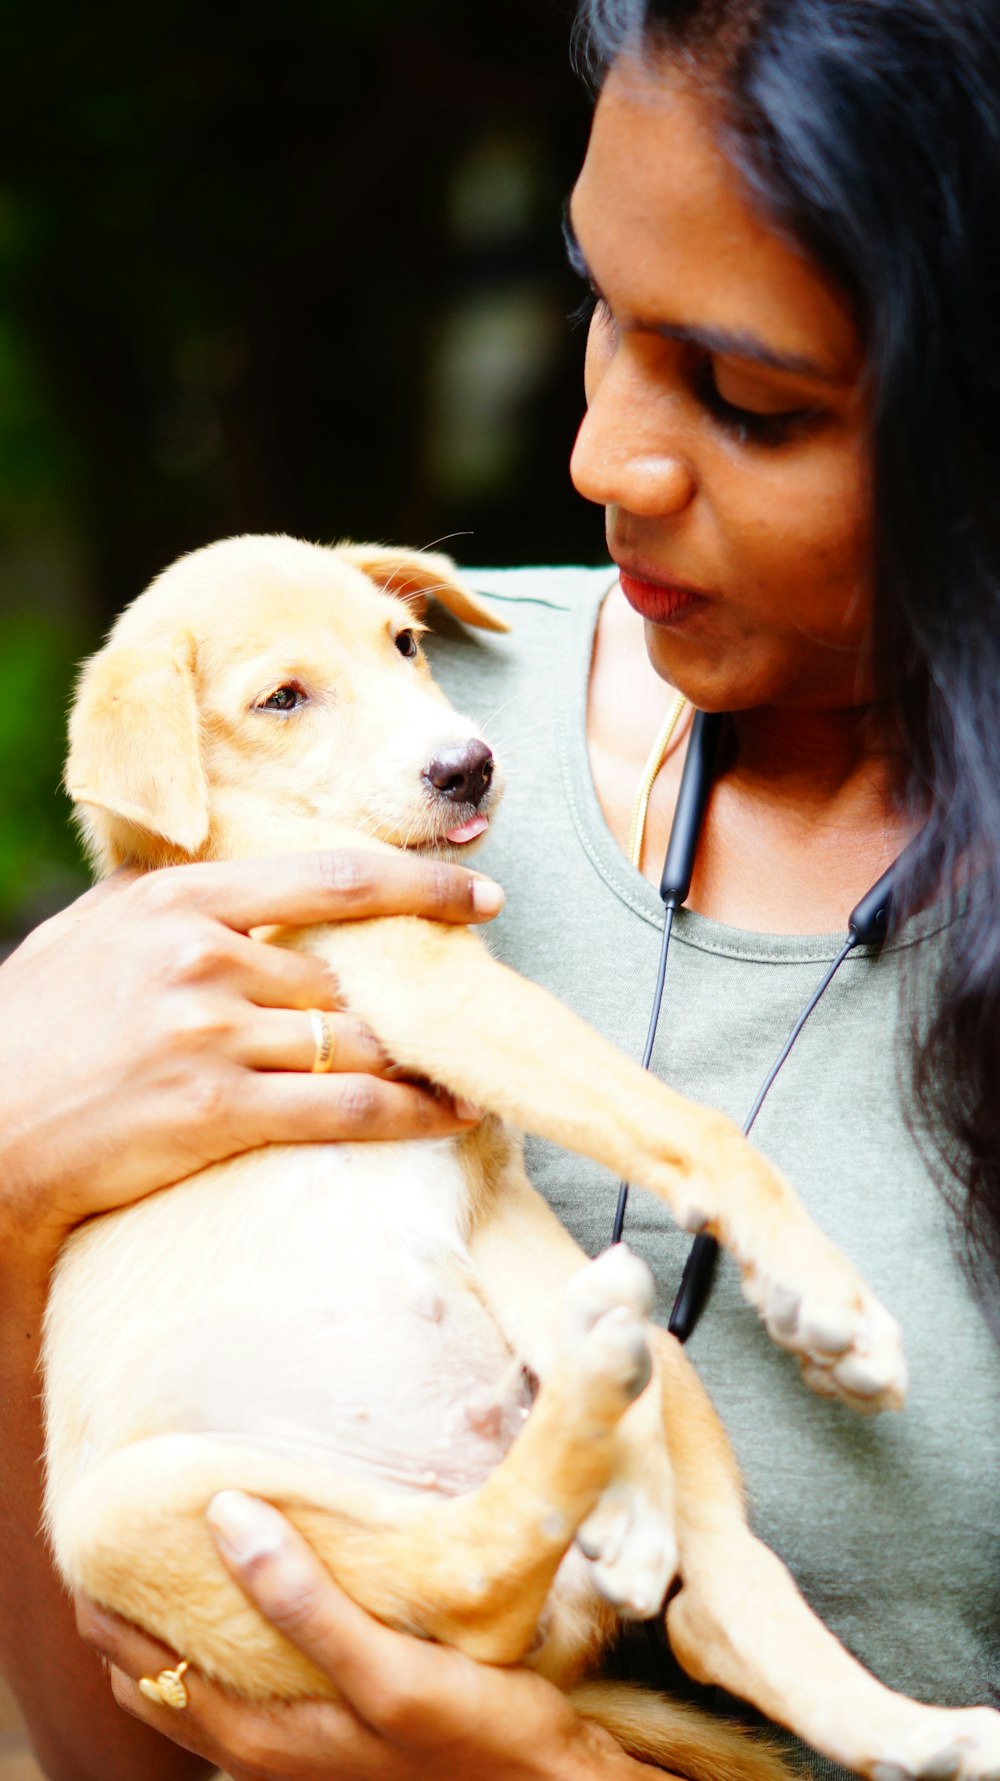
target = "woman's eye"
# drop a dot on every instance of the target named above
(747, 425)
(582, 312)
(406, 643)
(284, 698)
(592, 306)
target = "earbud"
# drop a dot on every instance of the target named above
(696, 783)
(868, 922)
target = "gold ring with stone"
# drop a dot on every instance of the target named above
(167, 1689)
(324, 1041)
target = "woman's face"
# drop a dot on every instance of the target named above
(725, 432)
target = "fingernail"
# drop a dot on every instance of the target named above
(468, 1110)
(245, 1527)
(487, 897)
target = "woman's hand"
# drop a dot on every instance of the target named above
(145, 1034)
(410, 1711)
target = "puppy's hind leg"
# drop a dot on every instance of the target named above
(472, 1571)
(479, 1569)
(739, 1621)
(527, 1261)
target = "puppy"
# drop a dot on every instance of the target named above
(350, 1330)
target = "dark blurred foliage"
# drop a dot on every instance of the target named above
(291, 269)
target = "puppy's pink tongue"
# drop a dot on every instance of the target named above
(476, 825)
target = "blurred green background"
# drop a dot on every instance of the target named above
(293, 269)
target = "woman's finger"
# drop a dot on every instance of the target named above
(278, 976)
(279, 1039)
(310, 1739)
(201, 953)
(130, 1655)
(343, 884)
(402, 1709)
(427, 1709)
(186, 1729)
(117, 1640)
(288, 1107)
(279, 1572)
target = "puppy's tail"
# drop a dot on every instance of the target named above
(678, 1737)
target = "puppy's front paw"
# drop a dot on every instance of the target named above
(851, 1349)
(814, 1303)
(810, 1298)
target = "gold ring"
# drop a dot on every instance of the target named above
(167, 1689)
(324, 1040)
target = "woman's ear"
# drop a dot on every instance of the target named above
(135, 750)
(416, 576)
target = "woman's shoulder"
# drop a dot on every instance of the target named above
(545, 608)
(532, 601)
(549, 587)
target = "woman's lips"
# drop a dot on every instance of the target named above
(662, 602)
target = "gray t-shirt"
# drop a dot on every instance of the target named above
(890, 1525)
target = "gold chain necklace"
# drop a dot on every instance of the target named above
(655, 760)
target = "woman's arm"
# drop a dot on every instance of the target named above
(143, 1034)
(410, 1711)
(77, 1731)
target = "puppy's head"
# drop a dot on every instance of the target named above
(264, 686)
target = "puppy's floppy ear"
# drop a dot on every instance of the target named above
(135, 749)
(416, 575)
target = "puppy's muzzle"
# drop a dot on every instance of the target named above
(464, 775)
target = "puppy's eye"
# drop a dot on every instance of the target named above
(406, 643)
(284, 698)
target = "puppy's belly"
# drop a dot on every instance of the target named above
(411, 1384)
(312, 1301)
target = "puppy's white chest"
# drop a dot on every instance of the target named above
(391, 1204)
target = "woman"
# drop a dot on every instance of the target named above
(787, 213)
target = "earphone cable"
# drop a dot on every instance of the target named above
(700, 1265)
(867, 925)
(849, 944)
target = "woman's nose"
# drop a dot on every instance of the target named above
(627, 453)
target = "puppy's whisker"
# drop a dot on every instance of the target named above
(526, 722)
(508, 750)
(446, 538)
(491, 716)
(391, 586)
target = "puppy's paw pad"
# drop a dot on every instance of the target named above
(873, 1379)
(954, 1745)
(871, 1373)
(604, 1335)
(633, 1551)
(849, 1348)
(946, 1766)
(636, 1594)
(827, 1334)
(781, 1315)
(616, 1278)
(615, 1349)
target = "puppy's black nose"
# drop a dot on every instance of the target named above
(462, 774)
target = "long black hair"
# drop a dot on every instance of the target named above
(868, 132)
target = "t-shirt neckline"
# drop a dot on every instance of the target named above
(623, 879)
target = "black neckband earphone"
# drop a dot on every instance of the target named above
(866, 926)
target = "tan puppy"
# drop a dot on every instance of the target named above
(344, 1329)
